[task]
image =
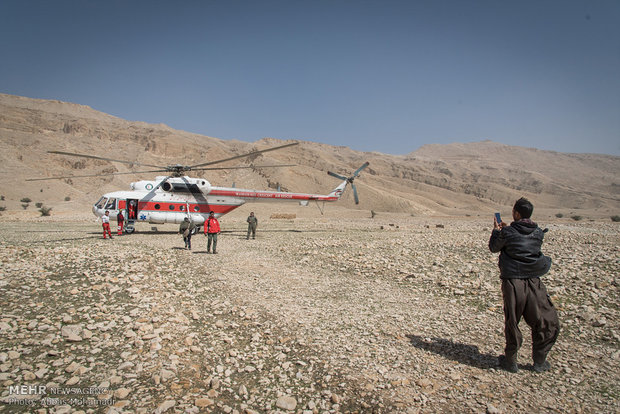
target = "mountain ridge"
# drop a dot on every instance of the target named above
(454, 179)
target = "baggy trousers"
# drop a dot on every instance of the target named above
(529, 298)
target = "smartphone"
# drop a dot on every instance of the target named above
(498, 218)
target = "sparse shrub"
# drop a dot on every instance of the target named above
(25, 200)
(25, 206)
(372, 214)
(615, 218)
(45, 211)
(2, 198)
(67, 198)
(41, 190)
(576, 217)
(2, 208)
(39, 205)
(559, 215)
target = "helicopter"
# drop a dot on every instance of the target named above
(173, 197)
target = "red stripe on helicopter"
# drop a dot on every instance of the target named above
(155, 207)
(265, 194)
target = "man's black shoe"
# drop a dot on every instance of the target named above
(509, 366)
(542, 367)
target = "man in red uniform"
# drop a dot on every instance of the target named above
(105, 221)
(121, 221)
(212, 229)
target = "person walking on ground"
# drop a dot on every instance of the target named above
(120, 219)
(105, 222)
(252, 224)
(187, 229)
(521, 263)
(212, 229)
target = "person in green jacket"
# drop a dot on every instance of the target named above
(187, 229)
(252, 224)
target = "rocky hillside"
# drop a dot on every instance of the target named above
(455, 179)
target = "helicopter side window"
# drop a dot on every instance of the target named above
(171, 206)
(157, 206)
(196, 208)
(101, 202)
(182, 208)
(111, 204)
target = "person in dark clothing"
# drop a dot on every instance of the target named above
(252, 223)
(521, 263)
(187, 229)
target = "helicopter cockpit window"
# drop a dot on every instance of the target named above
(101, 202)
(111, 204)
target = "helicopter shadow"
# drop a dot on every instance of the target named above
(456, 351)
(93, 237)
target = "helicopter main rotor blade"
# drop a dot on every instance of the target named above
(92, 175)
(244, 166)
(357, 200)
(337, 175)
(249, 154)
(103, 158)
(356, 173)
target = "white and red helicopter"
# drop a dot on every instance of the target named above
(172, 198)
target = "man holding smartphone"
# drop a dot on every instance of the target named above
(521, 263)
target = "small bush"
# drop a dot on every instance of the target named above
(25, 206)
(39, 205)
(2, 208)
(615, 218)
(67, 198)
(576, 217)
(372, 214)
(2, 197)
(45, 211)
(25, 200)
(559, 215)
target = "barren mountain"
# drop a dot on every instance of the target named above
(455, 179)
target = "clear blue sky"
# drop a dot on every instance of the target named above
(381, 75)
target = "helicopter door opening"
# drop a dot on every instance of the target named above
(132, 214)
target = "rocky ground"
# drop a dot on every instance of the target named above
(317, 315)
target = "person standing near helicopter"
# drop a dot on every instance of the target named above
(252, 223)
(187, 229)
(120, 221)
(105, 222)
(212, 229)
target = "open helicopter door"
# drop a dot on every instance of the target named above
(131, 214)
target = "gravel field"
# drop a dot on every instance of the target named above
(388, 315)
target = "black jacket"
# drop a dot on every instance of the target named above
(520, 257)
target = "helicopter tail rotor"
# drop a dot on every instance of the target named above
(348, 180)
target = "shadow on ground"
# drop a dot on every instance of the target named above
(456, 351)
